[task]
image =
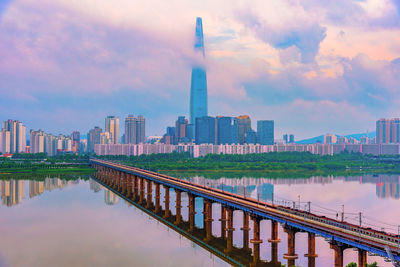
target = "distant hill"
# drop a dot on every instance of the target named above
(320, 138)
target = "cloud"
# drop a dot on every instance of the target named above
(304, 35)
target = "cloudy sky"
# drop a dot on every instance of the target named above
(312, 66)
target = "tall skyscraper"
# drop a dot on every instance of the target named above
(265, 132)
(205, 130)
(227, 130)
(244, 124)
(140, 130)
(198, 88)
(112, 126)
(130, 130)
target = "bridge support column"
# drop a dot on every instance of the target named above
(141, 197)
(245, 230)
(119, 179)
(223, 221)
(291, 255)
(149, 194)
(157, 196)
(338, 248)
(166, 201)
(136, 188)
(311, 255)
(192, 212)
(123, 183)
(178, 207)
(129, 185)
(362, 258)
(230, 229)
(208, 219)
(274, 241)
(256, 241)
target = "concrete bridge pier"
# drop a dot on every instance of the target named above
(245, 230)
(136, 188)
(192, 212)
(119, 179)
(223, 221)
(166, 201)
(230, 229)
(149, 194)
(274, 240)
(256, 241)
(362, 257)
(291, 255)
(311, 255)
(142, 191)
(123, 183)
(129, 185)
(338, 248)
(178, 207)
(157, 197)
(208, 219)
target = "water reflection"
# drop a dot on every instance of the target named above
(12, 192)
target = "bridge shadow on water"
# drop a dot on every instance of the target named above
(218, 246)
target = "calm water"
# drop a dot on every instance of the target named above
(55, 222)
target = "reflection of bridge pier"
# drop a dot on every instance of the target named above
(131, 185)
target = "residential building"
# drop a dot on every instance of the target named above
(130, 130)
(140, 130)
(112, 126)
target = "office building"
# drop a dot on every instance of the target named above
(205, 130)
(265, 132)
(250, 137)
(169, 136)
(244, 124)
(226, 130)
(112, 126)
(198, 87)
(181, 130)
(291, 139)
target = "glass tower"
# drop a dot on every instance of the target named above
(198, 88)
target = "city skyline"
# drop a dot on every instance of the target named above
(334, 77)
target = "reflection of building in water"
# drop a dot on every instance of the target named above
(95, 186)
(12, 192)
(387, 189)
(387, 186)
(110, 198)
(53, 183)
(36, 188)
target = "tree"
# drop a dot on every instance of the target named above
(351, 264)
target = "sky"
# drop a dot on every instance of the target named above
(312, 66)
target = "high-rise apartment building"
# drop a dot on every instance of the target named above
(140, 130)
(130, 130)
(13, 137)
(93, 138)
(226, 130)
(285, 139)
(205, 130)
(388, 131)
(198, 88)
(265, 132)
(244, 124)
(112, 126)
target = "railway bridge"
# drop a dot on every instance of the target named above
(138, 184)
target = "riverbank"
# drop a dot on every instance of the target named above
(284, 164)
(46, 169)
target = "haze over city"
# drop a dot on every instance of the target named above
(313, 67)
